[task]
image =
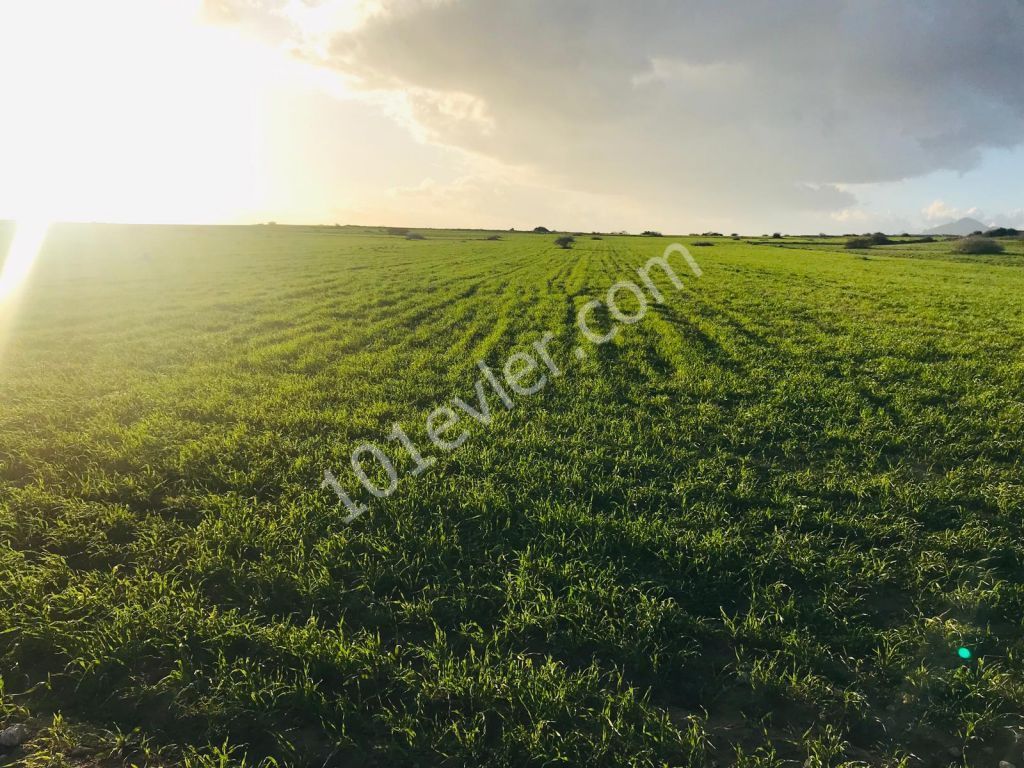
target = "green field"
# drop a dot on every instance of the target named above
(754, 528)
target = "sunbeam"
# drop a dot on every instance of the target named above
(28, 239)
(26, 243)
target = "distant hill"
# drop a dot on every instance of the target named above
(959, 227)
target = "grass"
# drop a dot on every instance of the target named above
(756, 528)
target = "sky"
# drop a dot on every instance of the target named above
(799, 116)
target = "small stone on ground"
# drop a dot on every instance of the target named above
(13, 736)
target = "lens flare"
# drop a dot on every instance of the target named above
(28, 239)
(26, 243)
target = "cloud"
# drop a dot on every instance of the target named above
(1014, 218)
(494, 198)
(695, 106)
(939, 212)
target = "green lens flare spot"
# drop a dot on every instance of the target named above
(964, 653)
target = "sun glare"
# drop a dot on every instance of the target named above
(127, 111)
(147, 111)
(22, 253)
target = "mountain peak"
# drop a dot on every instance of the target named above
(962, 226)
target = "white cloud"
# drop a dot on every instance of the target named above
(938, 211)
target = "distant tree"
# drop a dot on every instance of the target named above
(776, 235)
(878, 238)
(977, 244)
(565, 241)
(541, 230)
(859, 242)
(1003, 232)
(651, 233)
(711, 234)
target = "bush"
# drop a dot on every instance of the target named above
(493, 237)
(565, 241)
(650, 233)
(878, 238)
(977, 244)
(415, 236)
(701, 243)
(1003, 232)
(859, 242)
(776, 235)
(541, 230)
(597, 237)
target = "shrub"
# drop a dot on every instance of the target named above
(651, 233)
(565, 241)
(493, 237)
(879, 238)
(1003, 232)
(597, 237)
(859, 242)
(977, 244)
(776, 235)
(414, 236)
(541, 230)
(701, 243)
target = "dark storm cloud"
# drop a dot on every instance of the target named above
(715, 106)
